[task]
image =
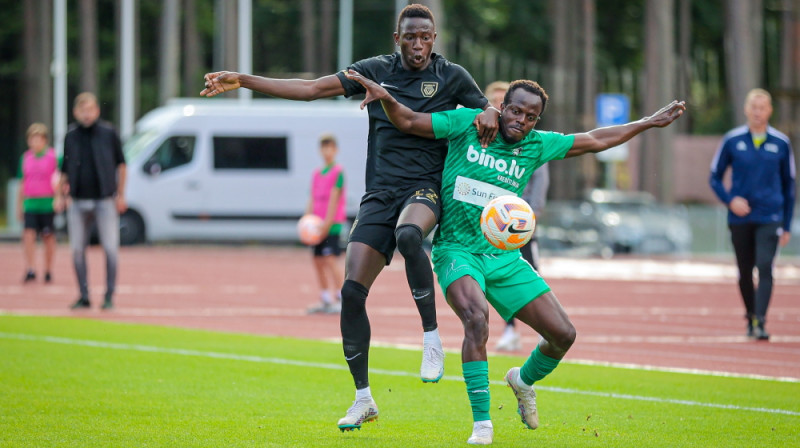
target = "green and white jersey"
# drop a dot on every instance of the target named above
(473, 175)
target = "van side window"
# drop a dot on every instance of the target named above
(174, 152)
(251, 153)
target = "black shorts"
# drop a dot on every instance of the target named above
(42, 223)
(379, 211)
(329, 246)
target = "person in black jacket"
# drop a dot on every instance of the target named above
(93, 182)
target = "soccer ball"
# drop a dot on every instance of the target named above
(507, 222)
(309, 229)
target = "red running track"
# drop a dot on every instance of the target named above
(662, 314)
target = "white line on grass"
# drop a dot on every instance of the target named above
(282, 361)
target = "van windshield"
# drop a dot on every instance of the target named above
(137, 143)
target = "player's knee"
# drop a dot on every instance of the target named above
(565, 337)
(476, 325)
(409, 239)
(354, 296)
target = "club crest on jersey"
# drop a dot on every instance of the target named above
(516, 151)
(429, 89)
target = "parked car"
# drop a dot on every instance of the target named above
(609, 222)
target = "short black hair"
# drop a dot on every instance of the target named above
(530, 86)
(415, 10)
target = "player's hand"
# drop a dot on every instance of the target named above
(59, 203)
(739, 206)
(122, 205)
(374, 90)
(783, 240)
(488, 123)
(667, 114)
(219, 82)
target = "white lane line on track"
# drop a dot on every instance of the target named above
(634, 339)
(776, 314)
(282, 361)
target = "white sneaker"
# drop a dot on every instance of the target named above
(432, 368)
(362, 411)
(481, 435)
(326, 308)
(526, 400)
(511, 341)
(334, 308)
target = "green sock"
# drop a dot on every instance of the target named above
(537, 366)
(476, 375)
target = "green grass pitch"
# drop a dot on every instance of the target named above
(68, 382)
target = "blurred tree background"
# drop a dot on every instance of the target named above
(707, 52)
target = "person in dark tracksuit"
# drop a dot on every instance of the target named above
(760, 201)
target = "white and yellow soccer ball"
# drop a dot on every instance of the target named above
(309, 229)
(508, 222)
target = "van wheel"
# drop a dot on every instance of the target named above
(131, 228)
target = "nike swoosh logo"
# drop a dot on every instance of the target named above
(425, 198)
(422, 296)
(389, 86)
(352, 357)
(511, 229)
(453, 268)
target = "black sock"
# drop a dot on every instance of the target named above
(418, 273)
(356, 332)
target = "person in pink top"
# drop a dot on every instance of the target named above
(37, 168)
(328, 202)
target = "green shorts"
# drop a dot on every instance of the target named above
(507, 280)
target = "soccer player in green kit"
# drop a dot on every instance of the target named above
(470, 270)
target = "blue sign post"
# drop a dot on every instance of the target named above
(612, 109)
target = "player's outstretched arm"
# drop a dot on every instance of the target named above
(290, 89)
(600, 139)
(402, 117)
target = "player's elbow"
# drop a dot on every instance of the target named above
(314, 90)
(405, 126)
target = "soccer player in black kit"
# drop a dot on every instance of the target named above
(401, 204)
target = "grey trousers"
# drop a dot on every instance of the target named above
(80, 216)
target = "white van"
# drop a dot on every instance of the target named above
(218, 169)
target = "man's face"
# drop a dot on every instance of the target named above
(520, 115)
(758, 110)
(86, 113)
(415, 38)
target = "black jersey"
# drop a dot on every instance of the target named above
(396, 159)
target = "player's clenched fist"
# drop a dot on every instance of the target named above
(219, 82)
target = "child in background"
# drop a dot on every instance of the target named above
(328, 202)
(37, 168)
